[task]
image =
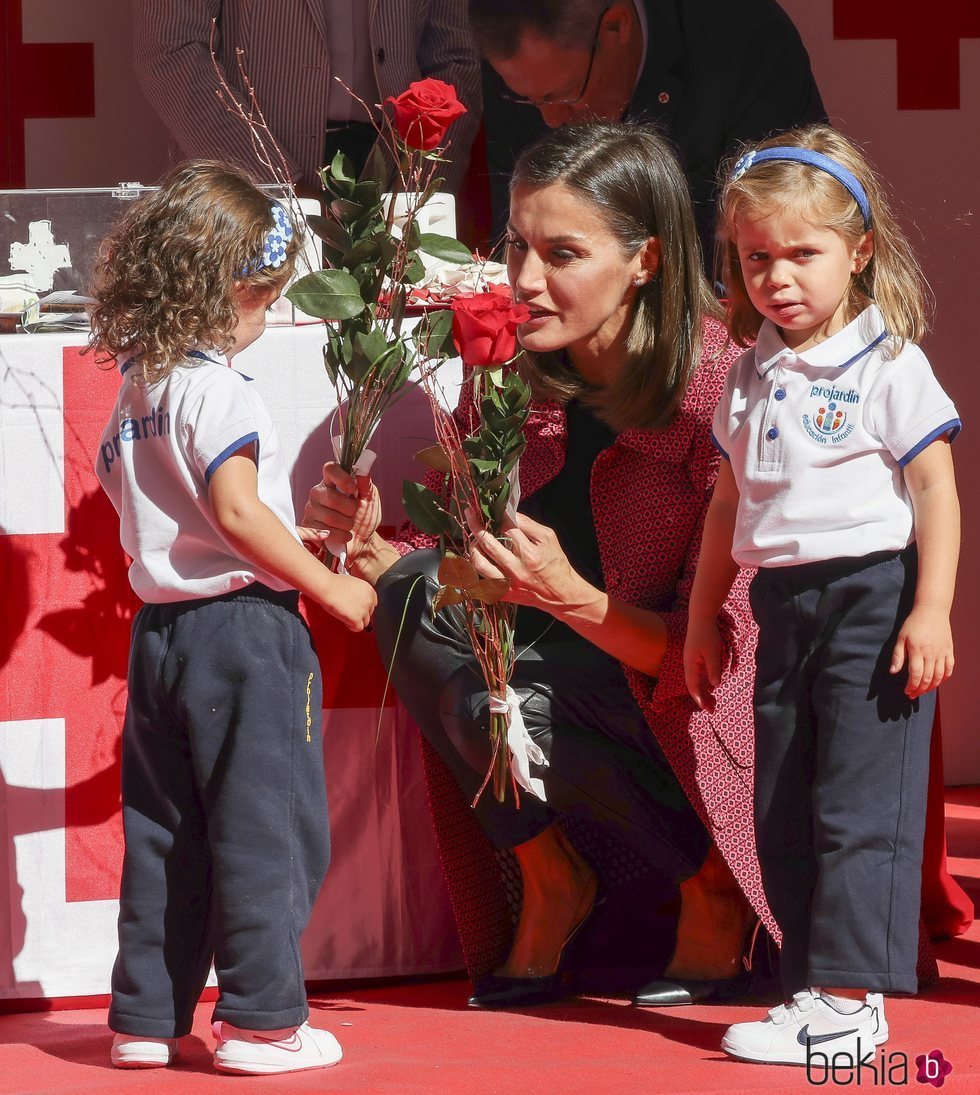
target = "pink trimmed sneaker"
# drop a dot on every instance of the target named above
(262, 1052)
(138, 1051)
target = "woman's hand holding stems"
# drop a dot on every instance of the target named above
(348, 509)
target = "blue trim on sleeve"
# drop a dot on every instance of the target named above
(230, 451)
(717, 445)
(952, 427)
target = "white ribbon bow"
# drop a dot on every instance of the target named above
(523, 748)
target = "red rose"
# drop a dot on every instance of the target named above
(485, 326)
(424, 112)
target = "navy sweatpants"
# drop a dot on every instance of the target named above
(224, 811)
(842, 765)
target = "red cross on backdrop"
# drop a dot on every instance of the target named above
(927, 38)
(64, 637)
(37, 80)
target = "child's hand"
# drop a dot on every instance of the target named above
(702, 662)
(925, 644)
(351, 600)
(344, 509)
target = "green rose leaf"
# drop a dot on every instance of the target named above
(387, 248)
(444, 247)
(411, 236)
(364, 252)
(341, 169)
(425, 511)
(434, 334)
(367, 194)
(414, 271)
(376, 169)
(330, 232)
(405, 371)
(332, 354)
(327, 294)
(347, 212)
(390, 362)
(372, 344)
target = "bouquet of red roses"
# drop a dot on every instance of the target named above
(481, 482)
(369, 355)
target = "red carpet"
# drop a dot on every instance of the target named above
(422, 1038)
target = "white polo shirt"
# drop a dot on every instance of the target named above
(817, 442)
(162, 445)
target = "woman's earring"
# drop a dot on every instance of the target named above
(638, 281)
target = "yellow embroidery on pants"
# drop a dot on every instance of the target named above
(309, 720)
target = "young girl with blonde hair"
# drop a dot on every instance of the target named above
(837, 484)
(224, 806)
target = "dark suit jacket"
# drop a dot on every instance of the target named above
(717, 72)
(286, 57)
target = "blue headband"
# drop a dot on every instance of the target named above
(812, 159)
(274, 248)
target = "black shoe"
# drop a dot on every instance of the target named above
(675, 992)
(494, 991)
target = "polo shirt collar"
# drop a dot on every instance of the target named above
(208, 353)
(849, 345)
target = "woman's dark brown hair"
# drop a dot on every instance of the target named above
(167, 276)
(631, 177)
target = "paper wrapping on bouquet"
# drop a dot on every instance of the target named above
(523, 748)
(514, 498)
(362, 466)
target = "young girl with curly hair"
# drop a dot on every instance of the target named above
(224, 805)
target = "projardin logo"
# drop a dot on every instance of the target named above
(885, 1069)
(829, 419)
(828, 424)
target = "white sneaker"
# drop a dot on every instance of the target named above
(136, 1051)
(268, 1051)
(876, 1002)
(807, 1025)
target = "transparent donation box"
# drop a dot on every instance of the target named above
(49, 244)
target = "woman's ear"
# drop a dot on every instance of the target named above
(863, 252)
(649, 261)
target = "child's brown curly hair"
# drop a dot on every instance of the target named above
(168, 274)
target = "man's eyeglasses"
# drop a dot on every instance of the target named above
(546, 102)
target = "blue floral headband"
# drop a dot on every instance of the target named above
(274, 248)
(812, 159)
